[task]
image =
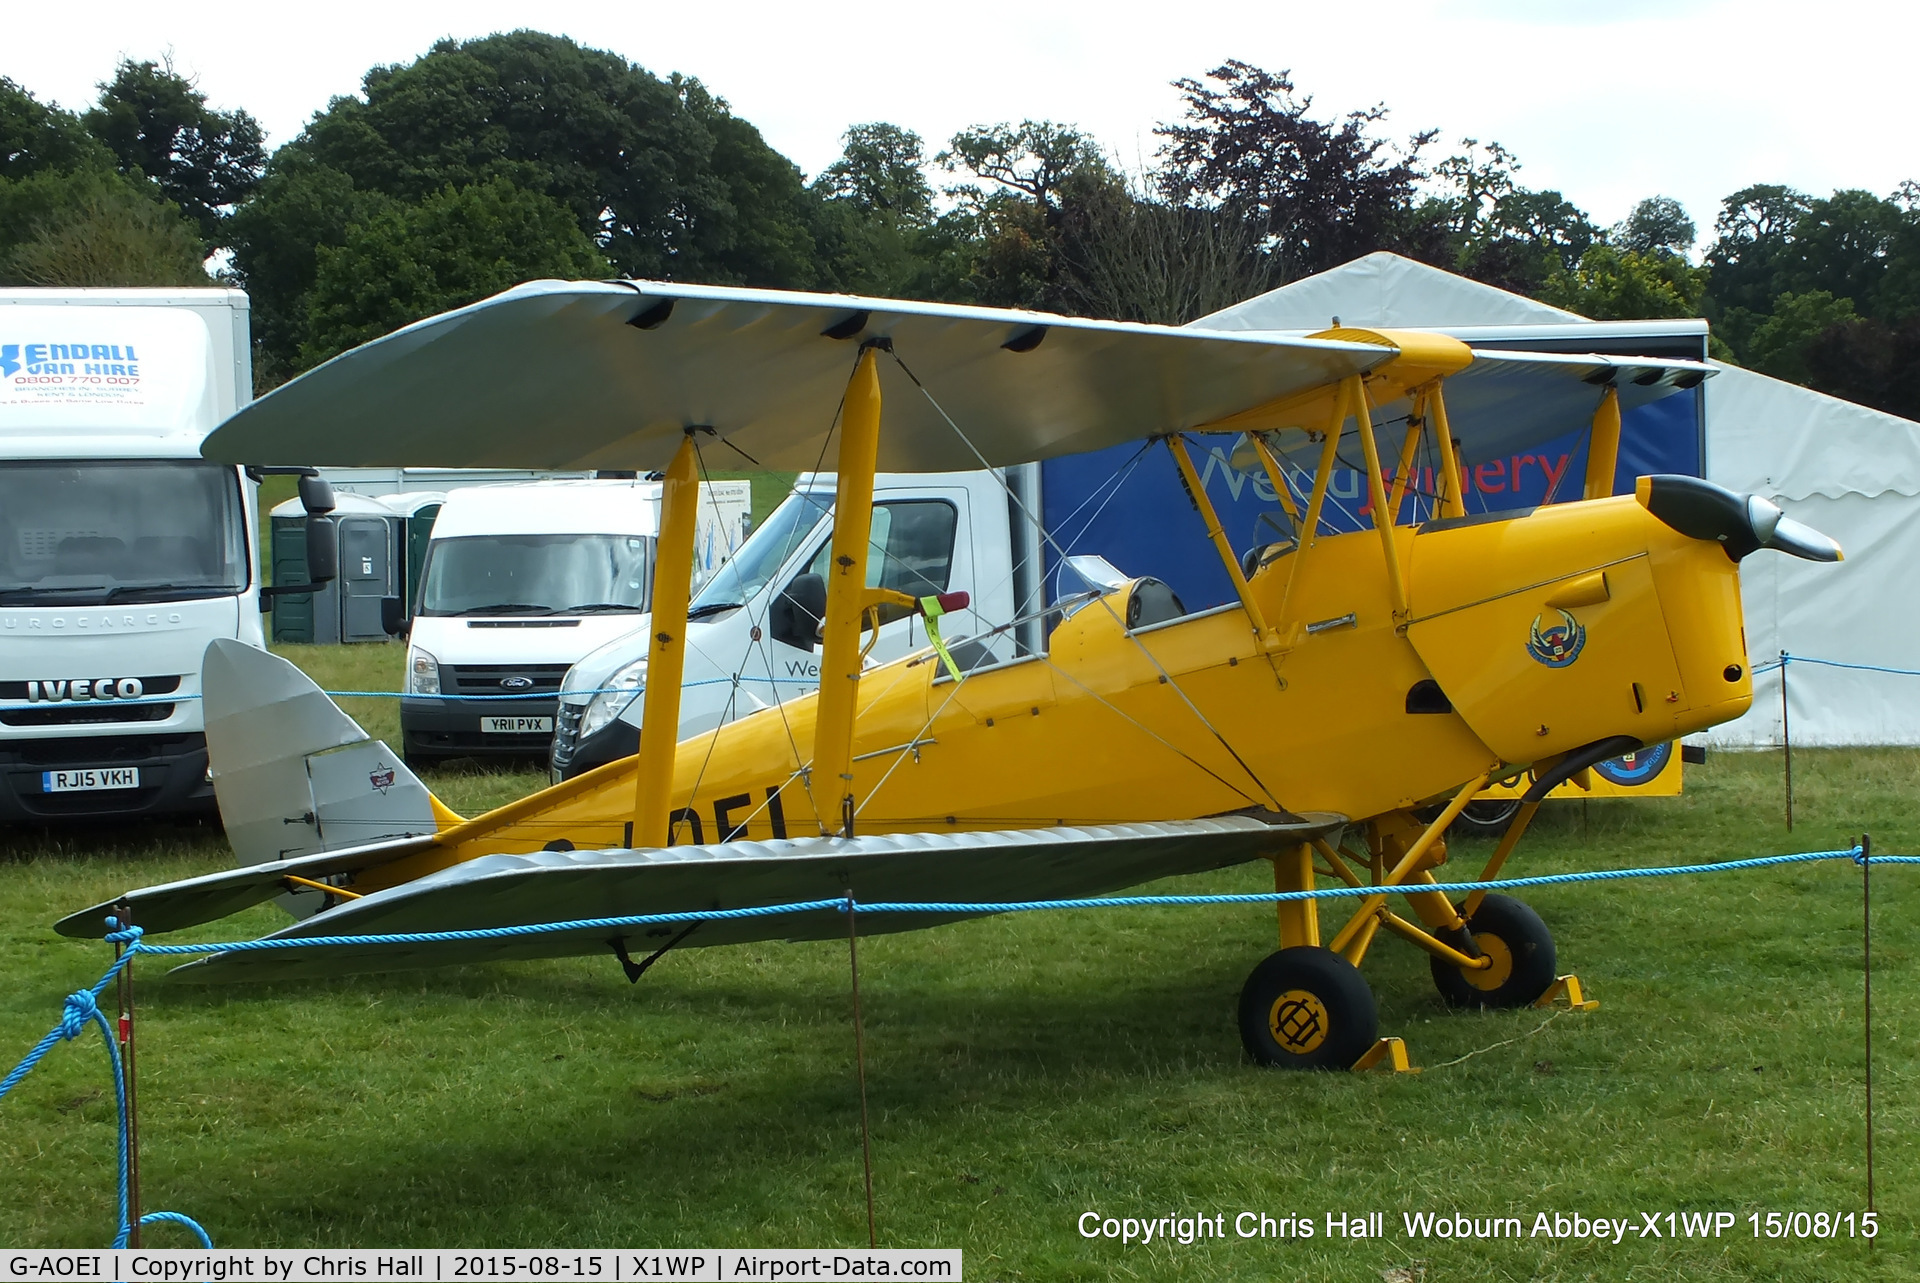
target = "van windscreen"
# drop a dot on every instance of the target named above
(537, 575)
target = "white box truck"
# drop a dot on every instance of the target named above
(519, 582)
(123, 553)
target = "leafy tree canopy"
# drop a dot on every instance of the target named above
(68, 219)
(882, 171)
(409, 261)
(1657, 225)
(158, 125)
(1320, 192)
(657, 174)
(1612, 284)
(35, 137)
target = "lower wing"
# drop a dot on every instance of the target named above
(579, 887)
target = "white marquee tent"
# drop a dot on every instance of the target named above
(1851, 472)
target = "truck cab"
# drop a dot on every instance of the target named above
(122, 552)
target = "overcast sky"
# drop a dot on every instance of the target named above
(1608, 102)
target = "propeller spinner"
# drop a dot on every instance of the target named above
(1742, 524)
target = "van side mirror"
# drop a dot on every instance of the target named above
(794, 619)
(316, 496)
(393, 616)
(323, 549)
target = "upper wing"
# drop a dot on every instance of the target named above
(557, 374)
(569, 886)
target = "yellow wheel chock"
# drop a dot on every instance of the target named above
(1567, 987)
(1391, 1050)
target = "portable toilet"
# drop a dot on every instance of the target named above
(371, 559)
(416, 510)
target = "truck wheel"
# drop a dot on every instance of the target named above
(1523, 958)
(1307, 1008)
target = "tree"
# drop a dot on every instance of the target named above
(1657, 225)
(1133, 258)
(1480, 180)
(1035, 158)
(35, 137)
(1010, 230)
(460, 245)
(67, 219)
(1843, 245)
(1780, 344)
(876, 229)
(1319, 192)
(882, 172)
(1528, 241)
(657, 174)
(159, 125)
(1613, 285)
(1874, 362)
(1753, 242)
(108, 235)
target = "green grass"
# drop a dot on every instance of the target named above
(1022, 1071)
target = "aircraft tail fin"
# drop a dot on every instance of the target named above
(294, 774)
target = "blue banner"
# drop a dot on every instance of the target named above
(1127, 503)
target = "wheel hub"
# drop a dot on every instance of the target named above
(1299, 1021)
(1495, 950)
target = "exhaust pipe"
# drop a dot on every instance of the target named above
(1741, 524)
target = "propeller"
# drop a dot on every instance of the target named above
(1741, 524)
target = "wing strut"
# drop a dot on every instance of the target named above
(846, 595)
(666, 650)
(1603, 447)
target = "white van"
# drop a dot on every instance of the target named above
(519, 582)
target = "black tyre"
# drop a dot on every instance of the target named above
(1307, 1008)
(1523, 958)
(1487, 818)
(417, 760)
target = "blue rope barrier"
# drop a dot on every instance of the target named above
(546, 695)
(845, 904)
(81, 1010)
(1786, 658)
(1765, 666)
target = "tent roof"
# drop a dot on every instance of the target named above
(1383, 290)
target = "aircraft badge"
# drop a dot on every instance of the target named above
(1557, 645)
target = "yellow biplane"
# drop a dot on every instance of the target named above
(1358, 680)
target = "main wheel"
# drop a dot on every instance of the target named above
(1307, 1008)
(1521, 947)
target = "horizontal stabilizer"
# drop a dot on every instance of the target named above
(294, 774)
(171, 906)
(567, 886)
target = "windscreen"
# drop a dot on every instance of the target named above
(764, 552)
(537, 575)
(100, 531)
